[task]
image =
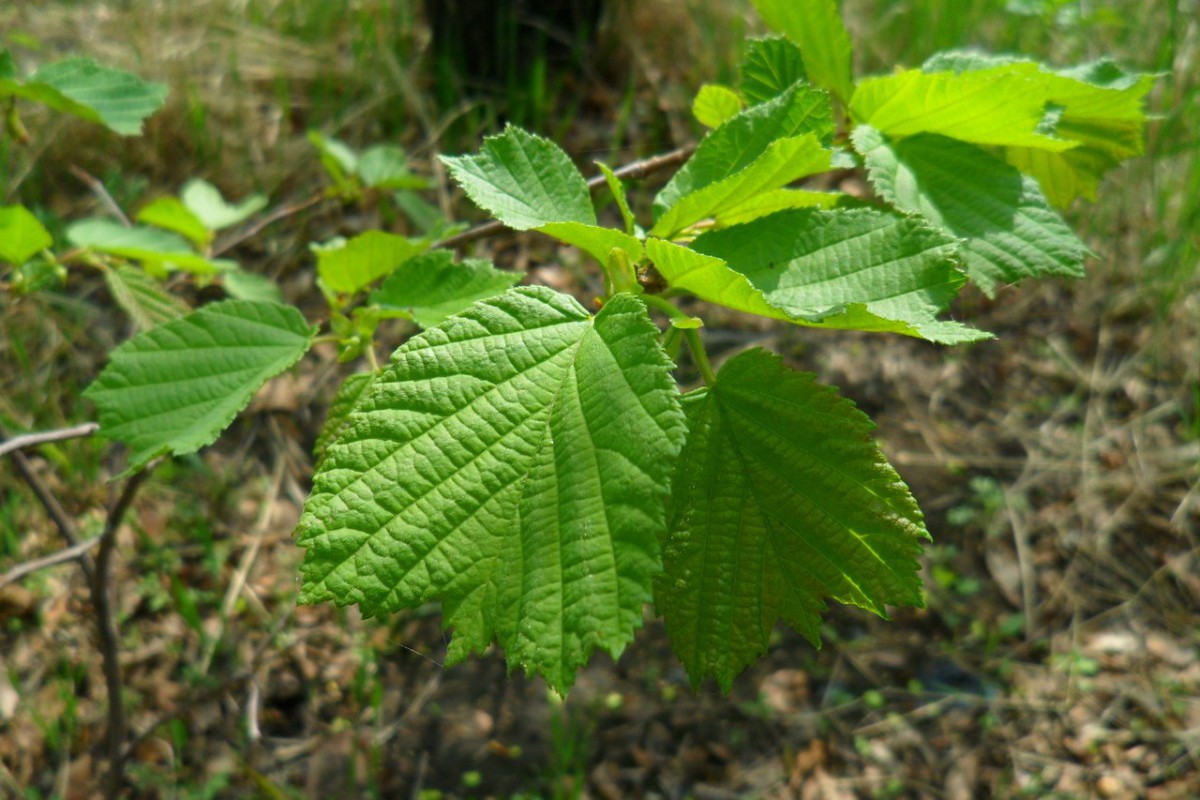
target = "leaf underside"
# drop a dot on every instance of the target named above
(780, 500)
(511, 462)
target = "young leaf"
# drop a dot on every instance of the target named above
(336, 157)
(858, 269)
(772, 65)
(715, 105)
(783, 161)
(142, 297)
(386, 167)
(817, 29)
(205, 201)
(780, 500)
(171, 214)
(776, 200)
(242, 285)
(618, 192)
(736, 144)
(431, 287)
(512, 462)
(112, 97)
(988, 107)
(175, 387)
(158, 250)
(22, 236)
(365, 259)
(524, 180)
(1009, 229)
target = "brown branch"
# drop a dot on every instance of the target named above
(276, 215)
(106, 627)
(634, 171)
(53, 508)
(72, 553)
(98, 188)
(45, 437)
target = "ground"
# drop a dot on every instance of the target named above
(1059, 652)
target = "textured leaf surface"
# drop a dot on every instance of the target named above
(175, 387)
(990, 107)
(594, 240)
(524, 180)
(431, 287)
(214, 211)
(353, 389)
(112, 97)
(772, 65)
(817, 29)
(142, 297)
(159, 250)
(736, 144)
(775, 200)
(715, 104)
(709, 279)
(365, 259)
(781, 499)
(783, 161)
(1009, 228)
(511, 462)
(858, 269)
(22, 236)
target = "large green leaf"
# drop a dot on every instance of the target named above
(783, 161)
(365, 259)
(1099, 106)
(781, 499)
(990, 107)
(22, 236)
(817, 29)
(79, 86)
(175, 387)
(772, 65)
(431, 287)
(740, 141)
(513, 463)
(142, 297)
(857, 269)
(1008, 227)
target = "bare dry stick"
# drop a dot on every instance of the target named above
(98, 189)
(72, 553)
(276, 215)
(45, 437)
(636, 170)
(53, 508)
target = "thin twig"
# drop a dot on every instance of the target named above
(72, 553)
(106, 625)
(53, 508)
(257, 227)
(45, 437)
(634, 171)
(98, 189)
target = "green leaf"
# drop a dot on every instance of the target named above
(142, 297)
(709, 279)
(205, 201)
(1009, 230)
(776, 200)
(772, 65)
(386, 167)
(431, 287)
(525, 181)
(594, 240)
(857, 269)
(740, 141)
(1099, 106)
(158, 250)
(365, 259)
(781, 499)
(715, 105)
(112, 97)
(175, 387)
(783, 161)
(171, 214)
(990, 107)
(817, 29)
(22, 236)
(336, 157)
(512, 462)
(242, 285)
(618, 192)
(353, 389)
